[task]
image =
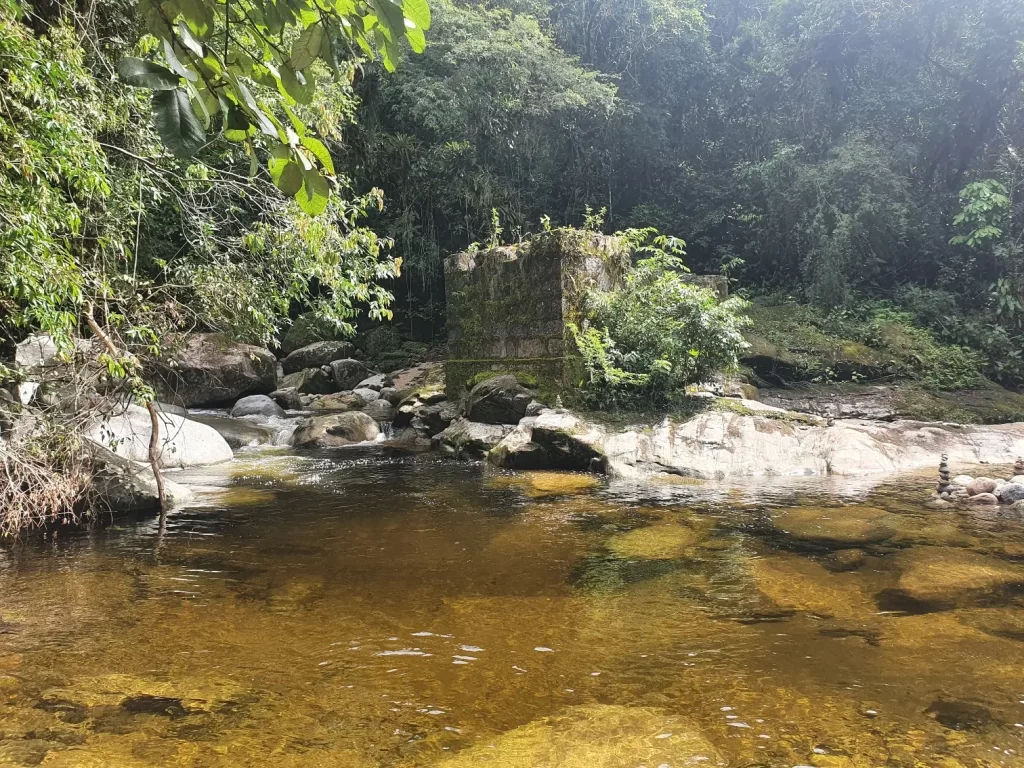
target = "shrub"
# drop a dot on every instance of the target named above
(647, 340)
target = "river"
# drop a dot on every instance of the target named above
(373, 609)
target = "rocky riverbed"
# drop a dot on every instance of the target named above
(218, 397)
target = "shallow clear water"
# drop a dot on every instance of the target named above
(363, 609)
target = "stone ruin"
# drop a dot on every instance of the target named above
(510, 307)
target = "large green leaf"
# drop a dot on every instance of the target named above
(280, 156)
(188, 39)
(390, 17)
(177, 66)
(290, 181)
(291, 87)
(198, 15)
(418, 12)
(319, 152)
(178, 126)
(306, 47)
(315, 192)
(417, 40)
(146, 74)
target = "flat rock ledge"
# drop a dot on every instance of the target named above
(762, 442)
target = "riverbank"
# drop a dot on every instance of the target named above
(218, 397)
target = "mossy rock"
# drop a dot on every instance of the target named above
(656, 542)
(787, 345)
(835, 526)
(527, 380)
(308, 329)
(540, 484)
(594, 736)
(946, 577)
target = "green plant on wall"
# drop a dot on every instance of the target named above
(643, 342)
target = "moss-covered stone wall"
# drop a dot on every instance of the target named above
(509, 307)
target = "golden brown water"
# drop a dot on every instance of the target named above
(364, 610)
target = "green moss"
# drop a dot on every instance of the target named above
(792, 342)
(987, 404)
(523, 377)
(731, 405)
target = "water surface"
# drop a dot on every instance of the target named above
(363, 609)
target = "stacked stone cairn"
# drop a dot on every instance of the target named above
(979, 490)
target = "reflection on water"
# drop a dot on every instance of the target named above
(369, 610)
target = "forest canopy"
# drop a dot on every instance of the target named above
(271, 154)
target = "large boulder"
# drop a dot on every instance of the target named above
(257, 405)
(368, 395)
(555, 440)
(946, 577)
(380, 410)
(1011, 492)
(288, 397)
(336, 430)
(348, 373)
(376, 382)
(126, 486)
(43, 371)
(310, 381)
(238, 433)
(183, 442)
(501, 400)
(465, 439)
(306, 330)
(36, 352)
(316, 355)
(736, 438)
(211, 369)
(339, 401)
(518, 451)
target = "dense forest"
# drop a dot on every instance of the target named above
(819, 148)
(834, 151)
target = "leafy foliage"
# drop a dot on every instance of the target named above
(217, 53)
(645, 341)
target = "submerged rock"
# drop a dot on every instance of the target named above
(796, 583)
(336, 430)
(834, 525)
(595, 736)
(844, 560)
(656, 542)
(501, 400)
(944, 577)
(540, 484)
